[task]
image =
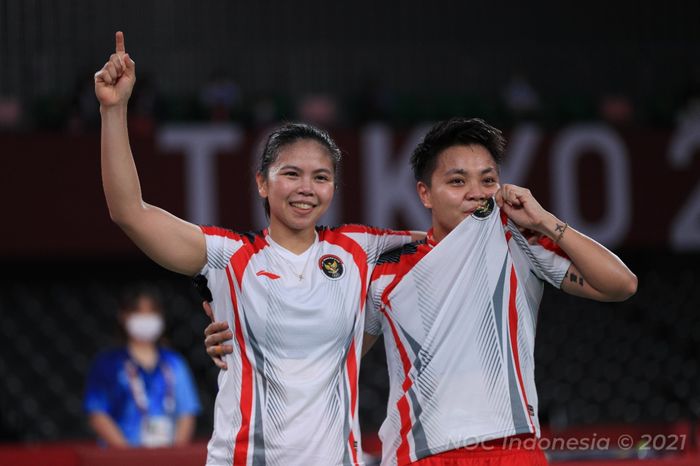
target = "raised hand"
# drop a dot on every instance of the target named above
(520, 206)
(603, 276)
(115, 81)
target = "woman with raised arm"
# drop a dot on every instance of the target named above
(293, 294)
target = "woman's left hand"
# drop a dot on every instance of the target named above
(216, 336)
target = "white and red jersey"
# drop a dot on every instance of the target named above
(458, 320)
(289, 396)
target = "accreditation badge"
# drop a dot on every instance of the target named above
(157, 431)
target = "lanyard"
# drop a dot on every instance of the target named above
(138, 387)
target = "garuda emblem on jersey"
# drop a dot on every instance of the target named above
(331, 266)
(485, 209)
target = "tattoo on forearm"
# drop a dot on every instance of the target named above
(560, 229)
(574, 278)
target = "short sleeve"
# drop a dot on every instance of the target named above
(97, 387)
(221, 245)
(376, 241)
(547, 261)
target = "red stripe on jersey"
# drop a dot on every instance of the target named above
(351, 442)
(218, 231)
(543, 241)
(241, 258)
(354, 228)
(336, 237)
(430, 238)
(352, 380)
(399, 269)
(513, 327)
(504, 222)
(359, 255)
(240, 454)
(403, 451)
(550, 245)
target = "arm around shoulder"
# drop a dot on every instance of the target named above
(368, 342)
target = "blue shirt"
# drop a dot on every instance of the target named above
(169, 389)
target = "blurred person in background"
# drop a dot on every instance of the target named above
(141, 394)
(318, 109)
(84, 113)
(520, 97)
(220, 96)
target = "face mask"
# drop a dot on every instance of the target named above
(144, 327)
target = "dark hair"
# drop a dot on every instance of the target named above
(130, 296)
(455, 132)
(290, 133)
(128, 301)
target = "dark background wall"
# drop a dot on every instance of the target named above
(647, 50)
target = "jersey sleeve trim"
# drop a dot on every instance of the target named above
(550, 245)
(357, 228)
(548, 261)
(218, 231)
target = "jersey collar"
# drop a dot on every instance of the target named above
(430, 239)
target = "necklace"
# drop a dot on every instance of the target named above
(299, 274)
(279, 254)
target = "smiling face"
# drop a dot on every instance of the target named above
(463, 178)
(299, 187)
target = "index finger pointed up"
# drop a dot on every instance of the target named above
(119, 36)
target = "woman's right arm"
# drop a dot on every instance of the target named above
(170, 241)
(107, 430)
